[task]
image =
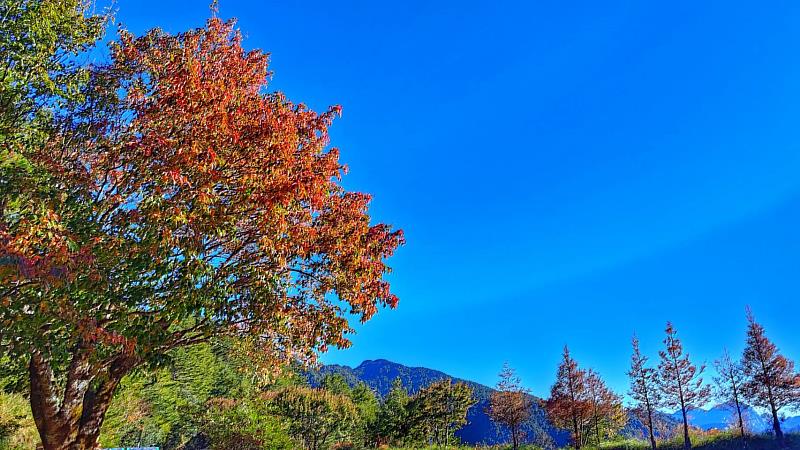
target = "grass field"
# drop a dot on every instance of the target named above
(722, 441)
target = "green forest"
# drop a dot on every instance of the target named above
(208, 399)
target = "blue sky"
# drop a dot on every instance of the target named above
(565, 173)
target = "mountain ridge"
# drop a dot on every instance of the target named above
(723, 415)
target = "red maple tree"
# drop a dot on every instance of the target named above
(177, 201)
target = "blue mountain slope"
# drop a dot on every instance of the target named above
(723, 416)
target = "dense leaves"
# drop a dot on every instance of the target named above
(39, 42)
(568, 406)
(440, 409)
(317, 417)
(606, 413)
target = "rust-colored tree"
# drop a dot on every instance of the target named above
(608, 416)
(770, 379)
(569, 405)
(175, 202)
(730, 380)
(680, 381)
(644, 390)
(510, 405)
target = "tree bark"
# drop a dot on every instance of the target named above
(45, 405)
(71, 418)
(739, 413)
(650, 426)
(687, 442)
(776, 425)
(514, 437)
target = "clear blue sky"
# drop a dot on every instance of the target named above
(565, 172)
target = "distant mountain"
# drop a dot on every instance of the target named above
(379, 375)
(789, 424)
(665, 425)
(723, 416)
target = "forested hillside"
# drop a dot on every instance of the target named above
(380, 374)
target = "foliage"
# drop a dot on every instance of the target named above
(244, 425)
(608, 416)
(510, 405)
(568, 406)
(770, 379)
(366, 402)
(680, 381)
(171, 200)
(368, 405)
(393, 423)
(581, 402)
(166, 407)
(644, 390)
(316, 417)
(39, 42)
(438, 410)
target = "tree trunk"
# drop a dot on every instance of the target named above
(776, 425)
(514, 437)
(576, 431)
(650, 427)
(597, 427)
(71, 418)
(687, 442)
(741, 420)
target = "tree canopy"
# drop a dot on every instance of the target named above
(169, 198)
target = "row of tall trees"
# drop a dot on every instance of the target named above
(335, 414)
(762, 378)
(582, 403)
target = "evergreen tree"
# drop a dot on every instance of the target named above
(510, 405)
(644, 390)
(393, 424)
(729, 380)
(680, 381)
(771, 381)
(569, 404)
(367, 404)
(335, 384)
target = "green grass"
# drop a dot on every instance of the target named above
(16, 419)
(721, 441)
